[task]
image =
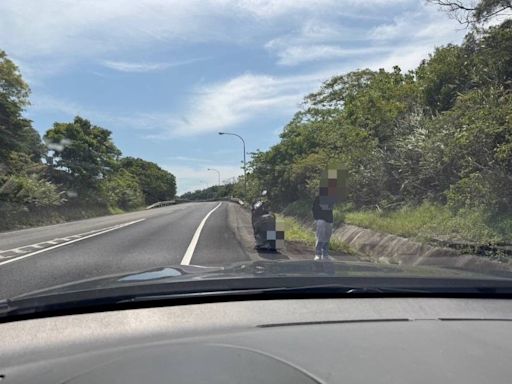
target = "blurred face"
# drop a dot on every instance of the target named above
(329, 188)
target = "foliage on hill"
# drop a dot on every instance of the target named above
(77, 169)
(441, 133)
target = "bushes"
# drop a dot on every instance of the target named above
(122, 190)
(300, 209)
(434, 144)
(23, 182)
(30, 190)
(16, 216)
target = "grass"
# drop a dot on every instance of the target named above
(302, 209)
(20, 218)
(425, 222)
(115, 210)
(431, 221)
(295, 230)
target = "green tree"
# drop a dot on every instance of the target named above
(16, 133)
(445, 75)
(81, 154)
(156, 183)
(121, 189)
(492, 50)
(476, 137)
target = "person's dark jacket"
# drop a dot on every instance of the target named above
(321, 214)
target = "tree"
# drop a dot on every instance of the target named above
(121, 189)
(23, 185)
(445, 75)
(16, 133)
(81, 153)
(477, 149)
(213, 192)
(471, 12)
(156, 183)
(492, 50)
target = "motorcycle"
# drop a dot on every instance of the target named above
(263, 224)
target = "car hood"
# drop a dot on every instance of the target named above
(168, 275)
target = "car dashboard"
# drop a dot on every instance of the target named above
(360, 340)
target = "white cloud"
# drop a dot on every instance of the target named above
(57, 32)
(35, 27)
(294, 55)
(426, 24)
(323, 40)
(287, 8)
(211, 107)
(42, 33)
(223, 105)
(124, 66)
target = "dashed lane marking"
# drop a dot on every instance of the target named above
(25, 251)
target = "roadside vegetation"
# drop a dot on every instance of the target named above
(75, 171)
(303, 232)
(426, 153)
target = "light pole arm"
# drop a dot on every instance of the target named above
(245, 163)
(218, 173)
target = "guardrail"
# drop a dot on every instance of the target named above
(161, 204)
(237, 200)
(173, 202)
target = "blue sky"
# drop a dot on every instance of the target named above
(165, 76)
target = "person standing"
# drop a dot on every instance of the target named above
(322, 213)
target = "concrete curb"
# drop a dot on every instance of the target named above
(392, 249)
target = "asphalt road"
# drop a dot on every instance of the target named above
(208, 233)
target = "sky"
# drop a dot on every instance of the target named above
(165, 76)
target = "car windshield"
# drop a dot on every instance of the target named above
(361, 145)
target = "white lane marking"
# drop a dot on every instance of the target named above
(192, 246)
(100, 232)
(44, 244)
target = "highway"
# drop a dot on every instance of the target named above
(206, 233)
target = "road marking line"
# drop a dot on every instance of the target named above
(187, 258)
(100, 232)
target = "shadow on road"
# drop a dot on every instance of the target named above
(272, 255)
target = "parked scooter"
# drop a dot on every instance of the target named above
(263, 222)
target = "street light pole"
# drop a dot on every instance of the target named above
(245, 164)
(218, 173)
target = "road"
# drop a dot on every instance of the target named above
(206, 233)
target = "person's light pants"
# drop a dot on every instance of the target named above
(323, 236)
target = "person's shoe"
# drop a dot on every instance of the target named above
(317, 258)
(327, 258)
